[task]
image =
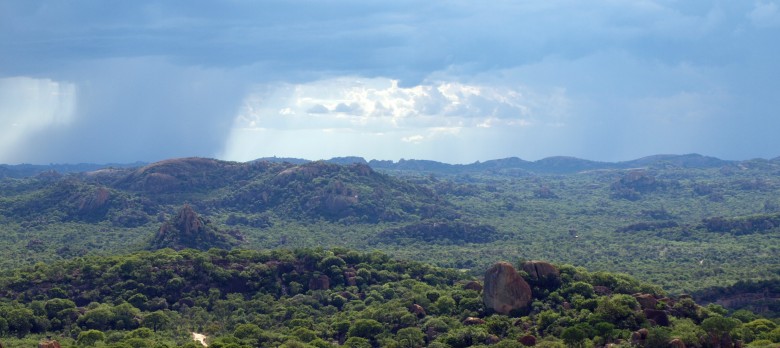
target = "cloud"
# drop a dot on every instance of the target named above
(765, 14)
(318, 109)
(29, 105)
(123, 110)
(371, 106)
(151, 80)
(416, 139)
(404, 40)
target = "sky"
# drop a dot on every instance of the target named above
(452, 81)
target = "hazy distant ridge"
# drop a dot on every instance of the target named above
(549, 165)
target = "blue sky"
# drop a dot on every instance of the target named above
(454, 81)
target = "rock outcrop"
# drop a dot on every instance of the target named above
(319, 283)
(646, 301)
(656, 316)
(47, 343)
(527, 340)
(639, 337)
(189, 230)
(473, 285)
(542, 273)
(492, 339)
(540, 269)
(505, 290)
(473, 321)
(676, 343)
(417, 310)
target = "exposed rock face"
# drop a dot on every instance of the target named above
(179, 174)
(659, 317)
(417, 310)
(638, 337)
(540, 269)
(492, 339)
(667, 302)
(350, 276)
(505, 290)
(473, 285)
(646, 301)
(542, 273)
(96, 201)
(473, 321)
(320, 283)
(48, 344)
(188, 230)
(676, 343)
(527, 340)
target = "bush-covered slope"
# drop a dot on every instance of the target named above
(320, 298)
(684, 222)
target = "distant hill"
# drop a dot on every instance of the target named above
(549, 165)
(683, 161)
(28, 170)
(310, 191)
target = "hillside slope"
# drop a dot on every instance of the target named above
(684, 222)
(321, 298)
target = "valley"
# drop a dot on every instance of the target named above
(665, 226)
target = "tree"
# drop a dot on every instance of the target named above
(156, 320)
(366, 328)
(760, 326)
(619, 310)
(718, 328)
(410, 337)
(357, 342)
(605, 330)
(719, 325)
(244, 331)
(687, 331)
(55, 306)
(90, 337)
(3, 326)
(658, 337)
(125, 316)
(773, 335)
(304, 334)
(574, 336)
(498, 325)
(465, 336)
(99, 318)
(444, 305)
(20, 321)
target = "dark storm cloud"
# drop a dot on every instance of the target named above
(159, 79)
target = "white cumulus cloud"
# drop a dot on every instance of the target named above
(352, 106)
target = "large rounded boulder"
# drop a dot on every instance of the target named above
(505, 290)
(542, 274)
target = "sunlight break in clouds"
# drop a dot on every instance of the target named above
(355, 109)
(29, 105)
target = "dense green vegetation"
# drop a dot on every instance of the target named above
(686, 223)
(325, 298)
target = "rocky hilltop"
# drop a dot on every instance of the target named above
(189, 230)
